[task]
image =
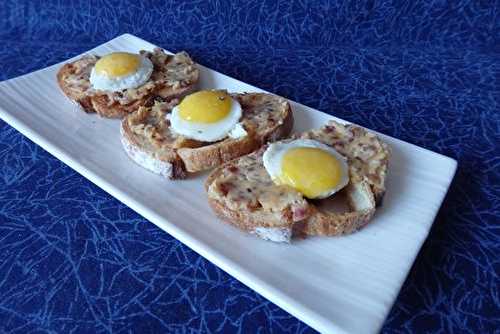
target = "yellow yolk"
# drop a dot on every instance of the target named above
(117, 64)
(205, 106)
(311, 171)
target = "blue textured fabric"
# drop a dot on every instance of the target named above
(74, 259)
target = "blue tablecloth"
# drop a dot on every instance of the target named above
(74, 259)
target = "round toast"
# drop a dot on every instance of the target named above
(173, 77)
(241, 191)
(149, 140)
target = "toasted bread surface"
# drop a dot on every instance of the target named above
(265, 118)
(226, 188)
(173, 77)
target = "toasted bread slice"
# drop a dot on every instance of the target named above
(173, 77)
(149, 140)
(242, 193)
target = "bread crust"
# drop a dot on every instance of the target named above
(101, 103)
(252, 223)
(206, 157)
(322, 223)
(195, 157)
(168, 164)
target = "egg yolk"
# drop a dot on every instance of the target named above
(311, 171)
(206, 106)
(117, 64)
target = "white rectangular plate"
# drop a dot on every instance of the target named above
(336, 285)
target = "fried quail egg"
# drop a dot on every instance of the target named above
(314, 169)
(120, 70)
(208, 116)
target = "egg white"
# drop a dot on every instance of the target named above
(273, 158)
(132, 80)
(208, 132)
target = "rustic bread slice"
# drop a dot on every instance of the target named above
(242, 192)
(149, 140)
(173, 77)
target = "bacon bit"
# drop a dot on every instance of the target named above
(178, 171)
(254, 205)
(299, 213)
(338, 145)
(224, 188)
(287, 214)
(374, 177)
(232, 169)
(152, 99)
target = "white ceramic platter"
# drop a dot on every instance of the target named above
(336, 285)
